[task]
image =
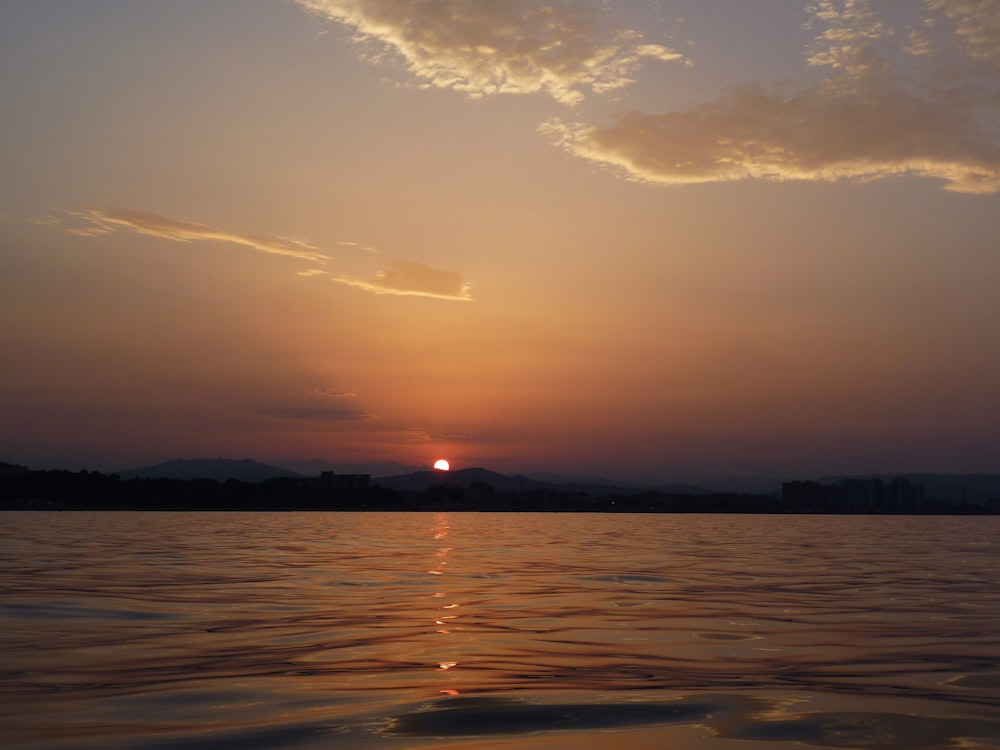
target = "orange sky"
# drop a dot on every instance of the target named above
(641, 240)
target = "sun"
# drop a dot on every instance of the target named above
(442, 465)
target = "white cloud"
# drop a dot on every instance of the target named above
(499, 47)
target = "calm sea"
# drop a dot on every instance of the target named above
(485, 630)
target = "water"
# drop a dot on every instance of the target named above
(410, 630)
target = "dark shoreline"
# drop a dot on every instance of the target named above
(59, 490)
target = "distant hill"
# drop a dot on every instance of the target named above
(316, 466)
(541, 476)
(419, 481)
(219, 469)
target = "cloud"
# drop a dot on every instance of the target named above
(848, 43)
(100, 221)
(416, 279)
(329, 392)
(359, 246)
(503, 47)
(425, 435)
(883, 110)
(316, 414)
(858, 40)
(976, 24)
(307, 410)
(400, 278)
(813, 135)
(874, 116)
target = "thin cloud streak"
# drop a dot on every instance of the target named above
(107, 220)
(405, 278)
(359, 246)
(329, 392)
(414, 279)
(510, 47)
(316, 414)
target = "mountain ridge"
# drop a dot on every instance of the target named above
(419, 481)
(219, 469)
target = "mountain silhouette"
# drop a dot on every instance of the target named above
(419, 481)
(219, 469)
(313, 467)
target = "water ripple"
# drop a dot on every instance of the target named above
(320, 630)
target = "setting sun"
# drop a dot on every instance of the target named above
(442, 465)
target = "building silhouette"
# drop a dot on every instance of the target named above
(856, 495)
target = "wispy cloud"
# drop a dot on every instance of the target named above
(315, 413)
(359, 246)
(414, 279)
(399, 277)
(504, 47)
(100, 221)
(425, 435)
(313, 405)
(326, 391)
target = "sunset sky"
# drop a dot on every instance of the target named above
(629, 238)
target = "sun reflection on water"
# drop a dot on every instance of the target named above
(440, 530)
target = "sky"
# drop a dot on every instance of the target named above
(639, 239)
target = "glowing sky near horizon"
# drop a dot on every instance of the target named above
(644, 239)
